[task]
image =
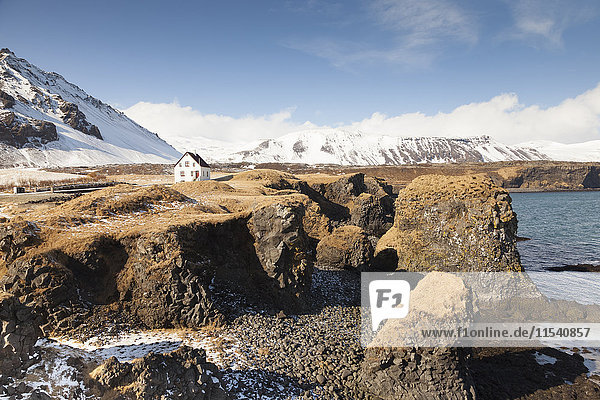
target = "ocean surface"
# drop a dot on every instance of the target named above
(564, 228)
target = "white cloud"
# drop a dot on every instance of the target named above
(178, 124)
(502, 117)
(416, 29)
(545, 21)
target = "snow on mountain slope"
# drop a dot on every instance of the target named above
(88, 131)
(587, 151)
(338, 146)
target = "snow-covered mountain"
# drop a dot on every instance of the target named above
(586, 151)
(47, 121)
(338, 146)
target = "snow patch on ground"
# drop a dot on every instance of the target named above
(24, 176)
(544, 359)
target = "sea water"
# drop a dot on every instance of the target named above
(564, 229)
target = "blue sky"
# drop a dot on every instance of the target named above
(328, 62)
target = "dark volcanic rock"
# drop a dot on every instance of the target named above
(76, 119)
(409, 373)
(17, 131)
(576, 268)
(15, 238)
(368, 202)
(6, 100)
(370, 213)
(346, 247)
(20, 331)
(182, 374)
(283, 249)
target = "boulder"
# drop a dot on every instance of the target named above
(18, 335)
(442, 223)
(370, 213)
(453, 223)
(182, 374)
(347, 247)
(283, 249)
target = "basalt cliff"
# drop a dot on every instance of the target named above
(273, 256)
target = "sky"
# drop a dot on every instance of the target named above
(246, 70)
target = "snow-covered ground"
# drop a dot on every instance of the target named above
(24, 176)
(56, 374)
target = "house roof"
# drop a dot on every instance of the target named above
(196, 158)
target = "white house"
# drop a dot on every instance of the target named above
(191, 167)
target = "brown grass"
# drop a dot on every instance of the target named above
(268, 178)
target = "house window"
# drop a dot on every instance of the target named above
(192, 173)
(187, 163)
(193, 164)
(182, 173)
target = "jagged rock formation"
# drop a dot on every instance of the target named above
(463, 223)
(17, 131)
(183, 374)
(346, 247)
(76, 119)
(18, 335)
(281, 246)
(362, 201)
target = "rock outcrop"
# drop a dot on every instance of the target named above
(347, 247)
(417, 374)
(433, 369)
(18, 335)
(442, 223)
(6, 100)
(76, 119)
(158, 277)
(366, 202)
(445, 223)
(551, 176)
(18, 131)
(182, 374)
(282, 247)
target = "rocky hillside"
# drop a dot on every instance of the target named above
(47, 121)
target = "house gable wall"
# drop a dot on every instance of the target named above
(187, 170)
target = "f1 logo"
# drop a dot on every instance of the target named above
(389, 299)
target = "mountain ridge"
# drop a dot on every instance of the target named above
(346, 147)
(79, 129)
